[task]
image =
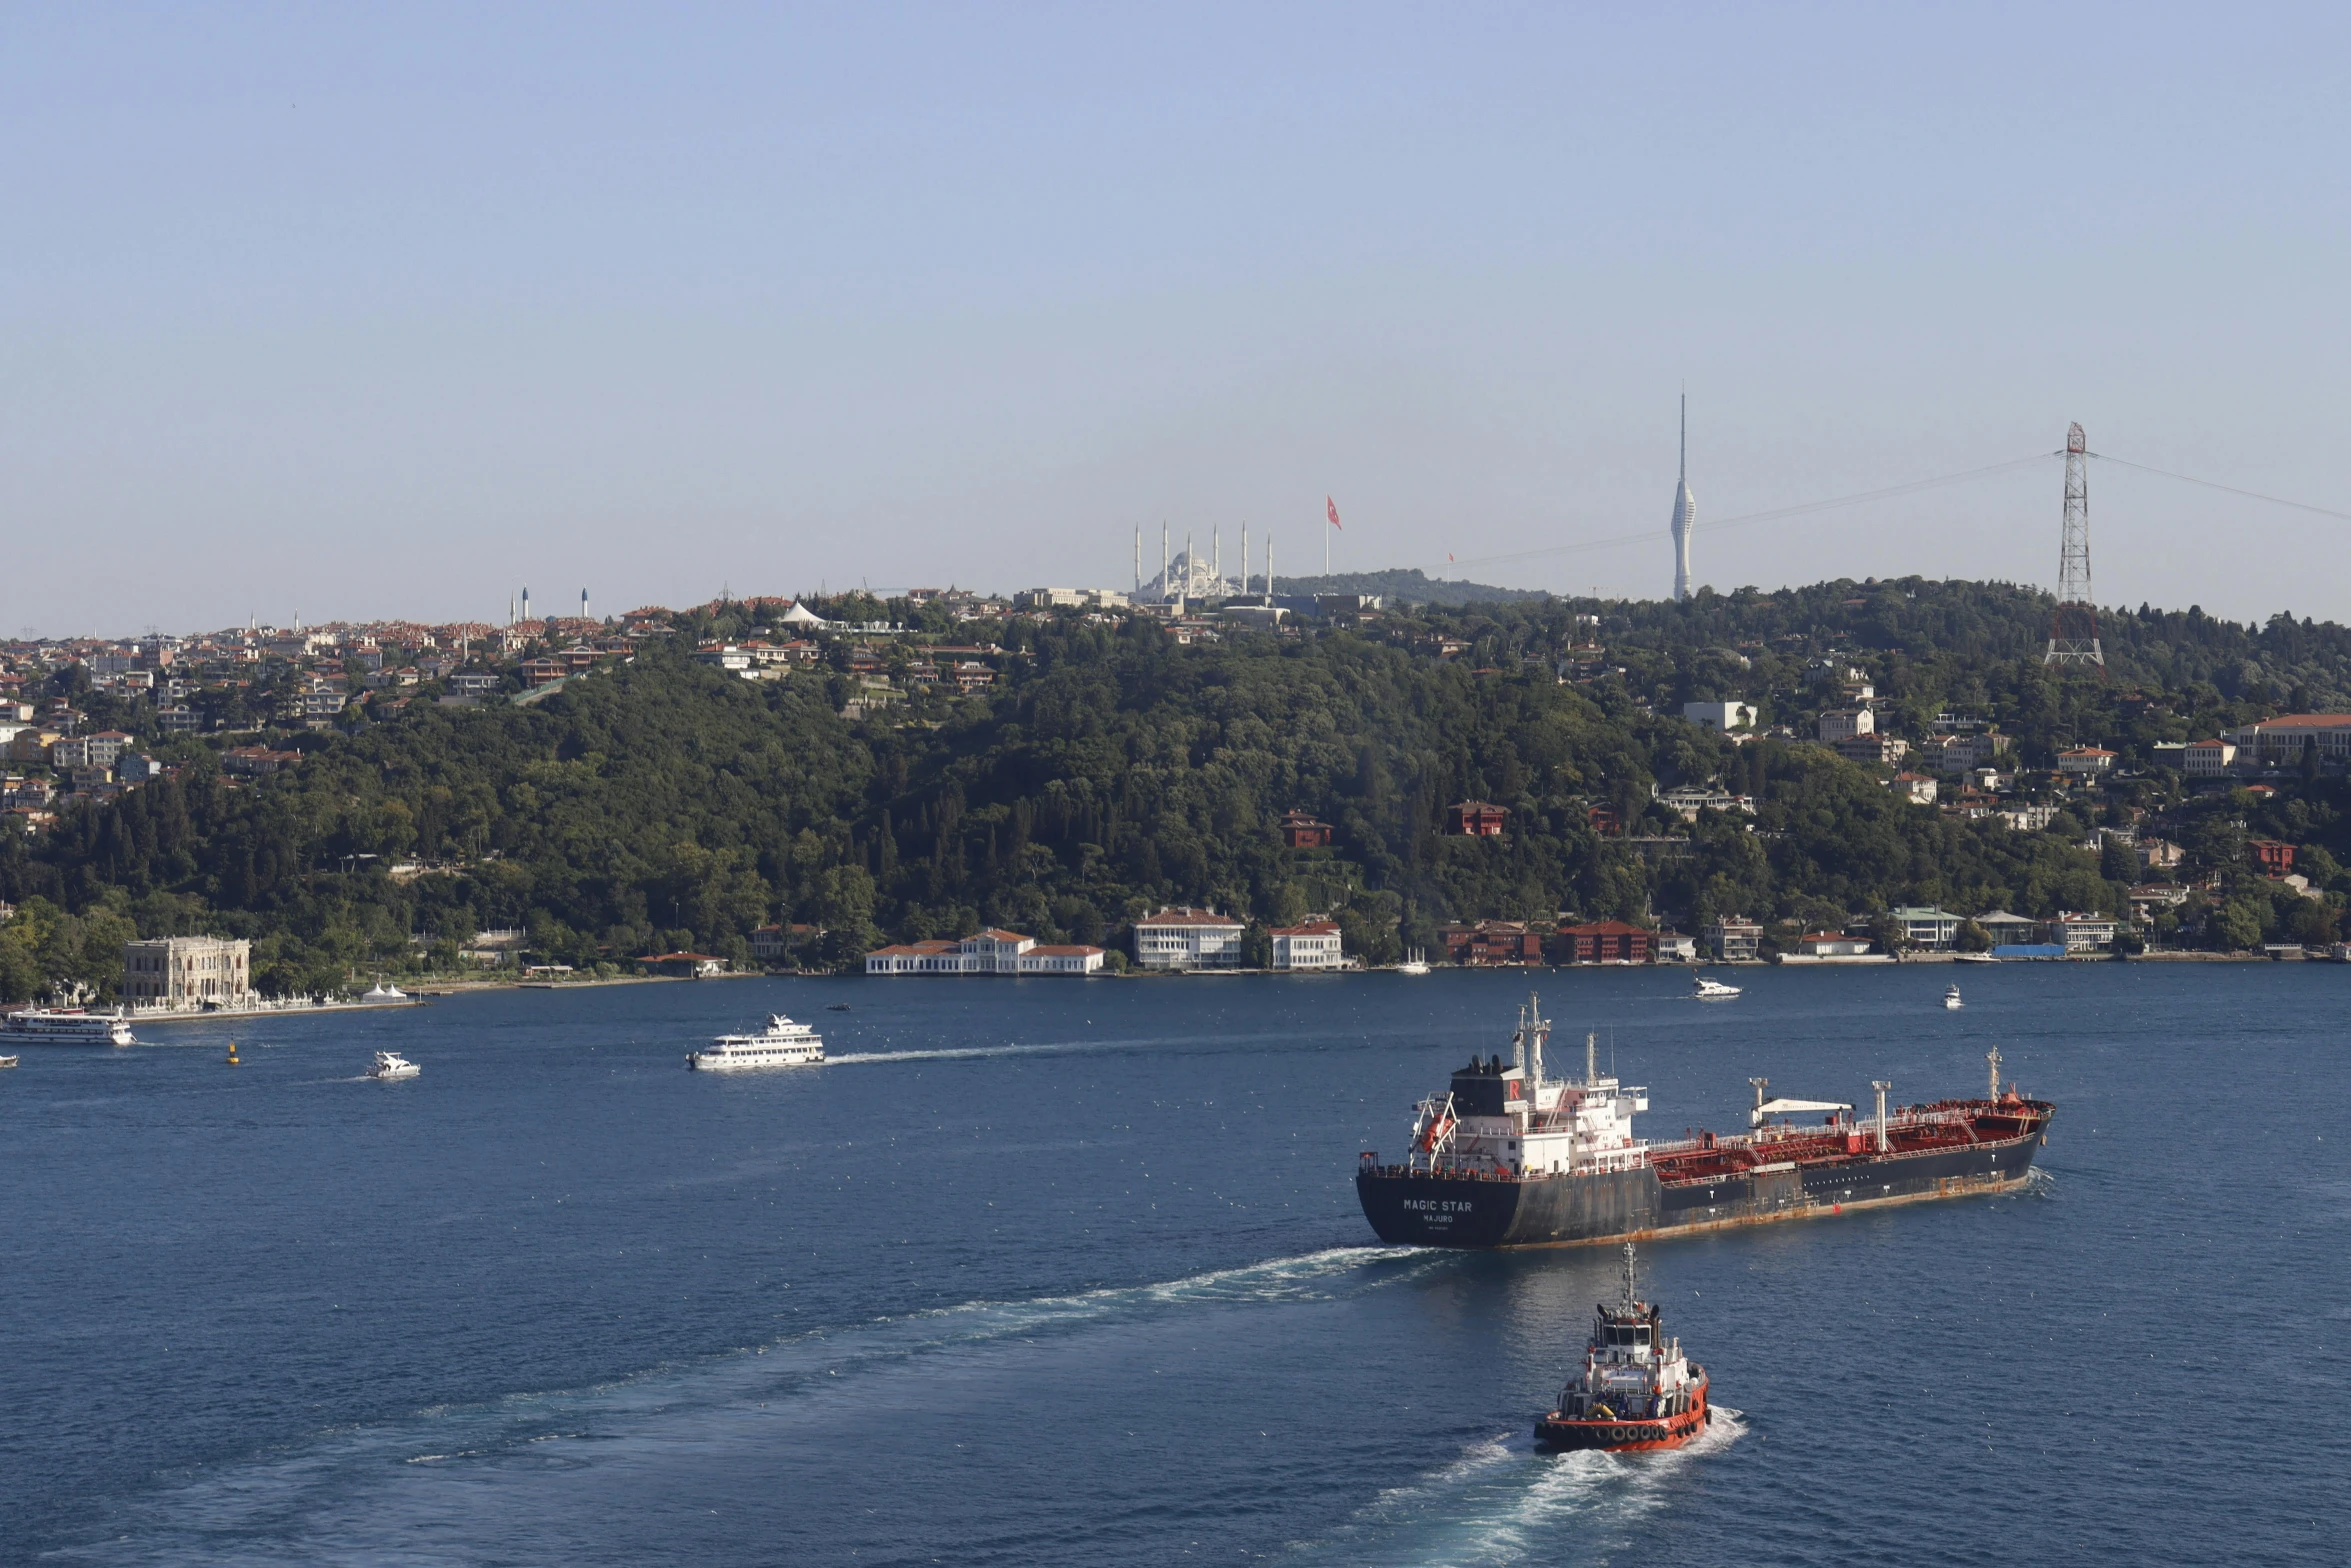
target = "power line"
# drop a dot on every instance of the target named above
(2251, 495)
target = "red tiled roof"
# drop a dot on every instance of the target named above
(1079, 951)
(1311, 928)
(2306, 721)
(1188, 917)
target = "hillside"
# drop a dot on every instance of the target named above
(664, 803)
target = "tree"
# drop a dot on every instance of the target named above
(2237, 925)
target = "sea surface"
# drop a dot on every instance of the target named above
(1056, 1271)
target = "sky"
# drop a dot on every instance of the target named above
(352, 312)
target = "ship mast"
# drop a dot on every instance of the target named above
(1993, 1056)
(1630, 1301)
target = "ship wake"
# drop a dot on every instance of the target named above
(424, 1478)
(1503, 1501)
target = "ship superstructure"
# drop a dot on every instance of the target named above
(1509, 1157)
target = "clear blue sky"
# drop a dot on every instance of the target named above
(357, 311)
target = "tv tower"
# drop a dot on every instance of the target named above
(1685, 512)
(2073, 629)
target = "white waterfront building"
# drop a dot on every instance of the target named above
(992, 952)
(1187, 938)
(1314, 945)
(187, 971)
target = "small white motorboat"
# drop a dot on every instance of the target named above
(1709, 990)
(1973, 958)
(1951, 998)
(390, 1065)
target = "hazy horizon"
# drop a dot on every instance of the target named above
(370, 315)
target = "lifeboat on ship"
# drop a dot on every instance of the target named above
(1635, 1391)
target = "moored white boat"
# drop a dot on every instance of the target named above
(782, 1043)
(390, 1065)
(66, 1026)
(1416, 963)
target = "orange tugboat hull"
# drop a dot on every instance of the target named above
(1559, 1433)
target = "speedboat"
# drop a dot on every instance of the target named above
(1951, 997)
(390, 1065)
(782, 1043)
(1710, 990)
(1416, 964)
(7, 1062)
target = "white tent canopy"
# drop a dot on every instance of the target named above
(1770, 1108)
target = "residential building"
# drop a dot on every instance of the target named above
(2207, 759)
(1724, 716)
(2149, 898)
(1475, 819)
(1844, 723)
(178, 720)
(2005, 928)
(1673, 947)
(1302, 831)
(187, 971)
(473, 683)
(2158, 854)
(2082, 933)
(32, 745)
(1314, 945)
(2085, 762)
(687, 966)
(2280, 742)
(1917, 788)
(2273, 857)
(1734, 940)
(2028, 819)
(107, 745)
(1965, 753)
(1687, 800)
(1487, 942)
(70, 751)
(1607, 942)
(1872, 748)
(991, 952)
(1831, 944)
(1927, 927)
(246, 762)
(1187, 938)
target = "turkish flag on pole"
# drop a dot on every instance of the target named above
(1332, 507)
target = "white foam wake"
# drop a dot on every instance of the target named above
(1502, 1501)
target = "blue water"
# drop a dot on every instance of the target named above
(1055, 1271)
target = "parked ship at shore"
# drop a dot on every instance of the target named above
(1507, 1157)
(66, 1026)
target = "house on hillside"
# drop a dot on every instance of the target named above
(1301, 831)
(1475, 819)
(1607, 942)
(1488, 942)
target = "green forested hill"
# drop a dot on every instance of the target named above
(664, 803)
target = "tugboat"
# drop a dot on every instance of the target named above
(1636, 1390)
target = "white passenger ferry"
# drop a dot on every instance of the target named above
(782, 1043)
(66, 1026)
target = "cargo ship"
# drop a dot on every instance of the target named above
(1508, 1157)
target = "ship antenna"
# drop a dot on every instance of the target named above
(1993, 1056)
(1542, 1032)
(1629, 1283)
(1591, 1058)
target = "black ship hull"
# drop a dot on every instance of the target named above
(1416, 1208)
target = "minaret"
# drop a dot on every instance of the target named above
(1685, 512)
(583, 604)
(526, 604)
(1244, 558)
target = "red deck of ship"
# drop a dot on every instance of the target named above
(1947, 1124)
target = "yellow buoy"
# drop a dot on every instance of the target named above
(233, 1062)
